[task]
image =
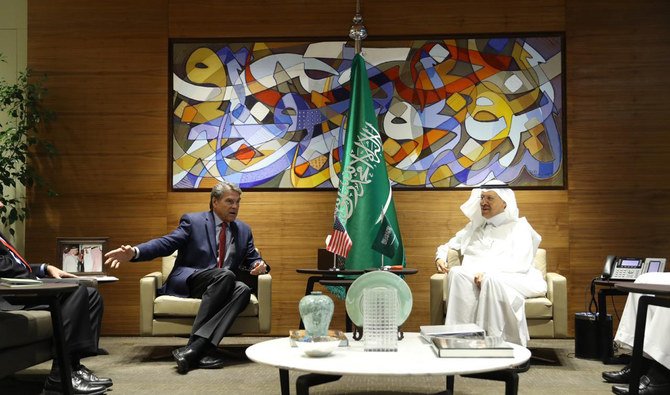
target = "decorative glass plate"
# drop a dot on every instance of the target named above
(354, 300)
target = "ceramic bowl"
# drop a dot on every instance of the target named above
(318, 346)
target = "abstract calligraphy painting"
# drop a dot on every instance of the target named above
(452, 112)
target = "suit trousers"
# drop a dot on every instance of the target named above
(82, 317)
(223, 299)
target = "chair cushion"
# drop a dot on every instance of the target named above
(168, 264)
(539, 308)
(26, 327)
(174, 306)
(453, 258)
(540, 261)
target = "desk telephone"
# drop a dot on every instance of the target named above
(628, 269)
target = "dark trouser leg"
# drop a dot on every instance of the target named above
(82, 315)
(222, 300)
(220, 323)
(96, 309)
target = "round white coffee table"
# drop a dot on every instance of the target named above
(414, 357)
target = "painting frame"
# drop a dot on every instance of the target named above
(81, 256)
(529, 175)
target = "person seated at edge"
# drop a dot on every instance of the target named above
(498, 249)
(82, 316)
(656, 352)
(214, 249)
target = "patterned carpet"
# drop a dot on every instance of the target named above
(140, 365)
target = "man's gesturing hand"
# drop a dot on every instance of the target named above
(119, 255)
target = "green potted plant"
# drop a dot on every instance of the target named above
(22, 116)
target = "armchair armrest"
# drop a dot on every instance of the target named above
(437, 298)
(148, 286)
(557, 292)
(264, 303)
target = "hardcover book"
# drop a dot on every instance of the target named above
(454, 347)
(470, 331)
(19, 282)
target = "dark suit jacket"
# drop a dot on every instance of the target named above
(195, 241)
(12, 269)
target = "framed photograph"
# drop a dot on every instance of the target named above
(81, 255)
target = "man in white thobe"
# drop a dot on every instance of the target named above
(497, 272)
(656, 348)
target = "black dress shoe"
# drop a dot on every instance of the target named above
(79, 386)
(86, 374)
(186, 359)
(619, 377)
(647, 387)
(211, 362)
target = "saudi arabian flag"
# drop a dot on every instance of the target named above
(364, 200)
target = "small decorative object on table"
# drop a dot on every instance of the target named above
(317, 346)
(377, 279)
(296, 335)
(316, 311)
(380, 316)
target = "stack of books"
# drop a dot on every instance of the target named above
(455, 347)
(469, 331)
(464, 341)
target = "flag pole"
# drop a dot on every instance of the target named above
(357, 32)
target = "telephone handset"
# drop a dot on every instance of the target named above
(607, 270)
(628, 269)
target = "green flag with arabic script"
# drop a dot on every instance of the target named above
(365, 200)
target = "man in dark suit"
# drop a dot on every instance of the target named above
(214, 251)
(82, 316)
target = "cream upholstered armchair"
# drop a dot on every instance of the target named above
(547, 316)
(167, 315)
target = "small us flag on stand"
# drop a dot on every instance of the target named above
(339, 243)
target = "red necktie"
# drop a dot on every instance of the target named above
(222, 244)
(16, 254)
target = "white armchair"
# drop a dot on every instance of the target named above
(547, 316)
(167, 315)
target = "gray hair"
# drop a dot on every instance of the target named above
(221, 188)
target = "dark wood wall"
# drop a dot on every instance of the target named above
(108, 78)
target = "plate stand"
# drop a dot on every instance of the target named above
(358, 333)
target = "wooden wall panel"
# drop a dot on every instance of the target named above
(303, 18)
(107, 66)
(617, 125)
